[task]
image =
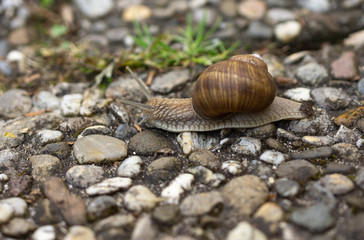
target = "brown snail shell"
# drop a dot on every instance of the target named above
(240, 84)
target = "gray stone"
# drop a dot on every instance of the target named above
(48, 136)
(83, 176)
(359, 178)
(166, 214)
(315, 5)
(201, 204)
(46, 100)
(299, 170)
(163, 169)
(318, 125)
(337, 183)
(98, 129)
(101, 207)
(312, 74)
(44, 166)
(259, 30)
(316, 218)
(245, 194)
(334, 167)
(125, 132)
(361, 86)
(125, 88)
(204, 158)
(13, 109)
(144, 229)
(352, 229)
(348, 152)
(91, 99)
(115, 221)
(170, 81)
(320, 152)
(46, 212)
(276, 15)
(206, 176)
(148, 142)
(331, 98)
(99, 148)
(247, 146)
(95, 9)
(276, 145)
(286, 187)
(347, 135)
(71, 104)
(61, 150)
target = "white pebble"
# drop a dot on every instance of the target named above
(71, 104)
(318, 140)
(207, 176)
(80, 232)
(192, 141)
(273, 157)
(359, 144)
(3, 177)
(178, 186)
(49, 136)
(139, 198)
(245, 231)
(287, 31)
(20, 205)
(46, 232)
(130, 167)
(298, 94)
(232, 167)
(6, 211)
(247, 146)
(109, 186)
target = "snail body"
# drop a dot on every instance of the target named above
(211, 107)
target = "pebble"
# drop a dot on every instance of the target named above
(318, 140)
(312, 74)
(320, 124)
(18, 227)
(298, 94)
(245, 231)
(136, 13)
(286, 187)
(7, 212)
(206, 176)
(298, 170)
(192, 141)
(347, 135)
(282, 133)
(71, 104)
(48, 136)
(273, 157)
(228, 8)
(125, 132)
(264, 131)
(232, 167)
(13, 109)
(130, 167)
(269, 214)
(139, 198)
(101, 207)
(99, 148)
(320, 152)
(47, 232)
(330, 98)
(316, 218)
(359, 178)
(46, 100)
(277, 15)
(201, 204)
(46, 212)
(353, 227)
(3, 177)
(205, 158)
(94, 9)
(166, 215)
(60, 149)
(115, 221)
(5, 67)
(334, 167)
(109, 186)
(361, 86)
(355, 39)
(163, 169)
(316, 5)
(247, 146)
(121, 114)
(350, 117)
(98, 129)
(245, 194)
(144, 229)
(176, 187)
(259, 30)
(44, 166)
(19, 36)
(117, 35)
(337, 183)
(344, 67)
(288, 31)
(347, 152)
(208, 14)
(80, 232)
(252, 9)
(83, 176)
(90, 99)
(170, 81)
(147, 143)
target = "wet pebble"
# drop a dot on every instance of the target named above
(101, 207)
(204, 158)
(130, 167)
(18, 227)
(202, 203)
(318, 140)
(245, 194)
(337, 183)
(247, 146)
(99, 148)
(206, 176)
(80, 232)
(139, 198)
(192, 141)
(312, 74)
(316, 218)
(298, 94)
(273, 157)
(7, 212)
(320, 152)
(109, 186)
(299, 170)
(286, 187)
(244, 231)
(71, 104)
(347, 135)
(170, 81)
(148, 143)
(48, 136)
(348, 152)
(94, 9)
(232, 167)
(287, 31)
(166, 214)
(163, 169)
(46, 100)
(44, 166)
(47, 232)
(344, 67)
(177, 187)
(60, 149)
(13, 109)
(331, 98)
(83, 176)
(359, 178)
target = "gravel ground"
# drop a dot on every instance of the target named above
(73, 165)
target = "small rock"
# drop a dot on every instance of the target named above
(192, 141)
(299, 170)
(277, 15)
(144, 229)
(355, 39)
(48, 136)
(166, 214)
(109, 186)
(46, 212)
(269, 215)
(206, 176)
(121, 114)
(286, 134)
(341, 168)
(19, 36)
(347, 135)
(245, 194)
(170, 81)
(201, 204)
(251, 9)
(232, 167)
(264, 131)
(287, 31)
(344, 67)
(312, 74)
(353, 227)
(125, 132)
(298, 57)
(44, 166)
(320, 152)
(273, 157)
(331, 98)
(46, 100)
(228, 8)
(115, 221)
(18, 227)
(99, 148)
(247, 146)
(13, 109)
(245, 231)
(71, 104)
(359, 178)
(94, 9)
(206, 14)
(176, 187)
(101, 207)
(163, 169)
(317, 125)
(286, 187)
(80, 232)
(316, 218)
(98, 129)
(337, 183)
(204, 158)
(125, 88)
(61, 150)
(350, 117)
(47, 232)
(89, 101)
(139, 198)
(259, 30)
(298, 94)
(348, 152)
(83, 176)
(148, 142)
(361, 86)
(318, 140)
(7, 212)
(130, 167)
(136, 13)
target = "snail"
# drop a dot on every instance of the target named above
(235, 93)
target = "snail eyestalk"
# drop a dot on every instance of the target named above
(144, 88)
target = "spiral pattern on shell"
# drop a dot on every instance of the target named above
(240, 84)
